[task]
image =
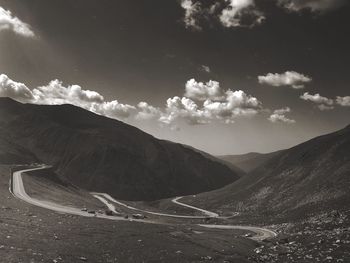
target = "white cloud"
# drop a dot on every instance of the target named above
(245, 13)
(230, 13)
(232, 105)
(280, 116)
(183, 108)
(323, 107)
(12, 23)
(203, 91)
(236, 104)
(216, 105)
(191, 11)
(239, 10)
(289, 78)
(147, 112)
(324, 103)
(319, 6)
(13, 89)
(343, 101)
(113, 109)
(210, 102)
(316, 98)
(55, 93)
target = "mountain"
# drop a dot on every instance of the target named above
(11, 153)
(102, 154)
(249, 161)
(238, 170)
(312, 176)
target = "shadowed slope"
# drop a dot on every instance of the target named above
(105, 155)
(311, 176)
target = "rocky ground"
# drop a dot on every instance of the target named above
(32, 234)
(321, 238)
(315, 237)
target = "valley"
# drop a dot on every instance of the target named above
(287, 206)
(66, 239)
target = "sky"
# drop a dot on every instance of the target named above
(226, 77)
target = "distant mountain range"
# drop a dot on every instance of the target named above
(249, 161)
(101, 154)
(312, 176)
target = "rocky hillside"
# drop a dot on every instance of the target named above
(101, 154)
(312, 176)
(12, 153)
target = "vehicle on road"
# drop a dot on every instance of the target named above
(109, 213)
(138, 216)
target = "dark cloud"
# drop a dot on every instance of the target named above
(312, 5)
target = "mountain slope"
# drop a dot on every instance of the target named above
(248, 162)
(312, 176)
(101, 154)
(11, 153)
(239, 171)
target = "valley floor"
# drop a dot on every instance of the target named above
(33, 234)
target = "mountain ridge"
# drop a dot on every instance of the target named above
(102, 154)
(249, 161)
(310, 176)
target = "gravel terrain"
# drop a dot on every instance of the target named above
(32, 234)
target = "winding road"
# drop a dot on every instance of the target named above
(18, 190)
(110, 198)
(208, 213)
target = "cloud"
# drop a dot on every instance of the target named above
(323, 107)
(203, 103)
(279, 116)
(112, 109)
(245, 13)
(12, 23)
(183, 108)
(316, 98)
(205, 68)
(289, 78)
(13, 89)
(55, 93)
(240, 13)
(343, 101)
(229, 13)
(324, 103)
(203, 91)
(147, 112)
(192, 10)
(215, 106)
(235, 104)
(318, 6)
